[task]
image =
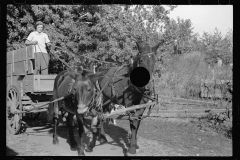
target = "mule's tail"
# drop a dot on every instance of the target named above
(50, 111)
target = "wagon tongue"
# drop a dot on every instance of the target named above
(81, 111)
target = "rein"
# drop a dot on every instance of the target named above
(83, 55)
(95, 97)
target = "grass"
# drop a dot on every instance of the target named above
(183, 74)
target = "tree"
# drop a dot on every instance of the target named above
(217, 46)
(179, 33)
(104, 32)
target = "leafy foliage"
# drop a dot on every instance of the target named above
(109, 32)
(217, 46)
(106, 32)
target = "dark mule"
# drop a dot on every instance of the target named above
(120, 90)
(81, 91)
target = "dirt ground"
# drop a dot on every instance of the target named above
(156, 137)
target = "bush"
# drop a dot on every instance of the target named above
(183, 75)
(219, 122)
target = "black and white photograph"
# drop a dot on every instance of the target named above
(119, 80)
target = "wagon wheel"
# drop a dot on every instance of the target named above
(14, 104)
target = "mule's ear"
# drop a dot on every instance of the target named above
(157, 45)
(139, 46)
(95, 77)
(72, 73)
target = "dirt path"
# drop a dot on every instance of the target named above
(156, 137)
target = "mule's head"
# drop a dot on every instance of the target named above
(146, 58)
(83, 90)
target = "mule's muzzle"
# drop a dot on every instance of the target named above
(82, 109)
(140, 76)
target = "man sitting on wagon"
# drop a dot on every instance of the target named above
(40, 40)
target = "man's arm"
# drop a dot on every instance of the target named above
(49, 44)
(27, 42)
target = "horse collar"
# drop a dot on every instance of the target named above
(70, 87)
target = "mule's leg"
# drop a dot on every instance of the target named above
(81, 134)
(92, 143)
(101, 135)
(94, 133)
(134, 125)
(55, 123)
(73, 143)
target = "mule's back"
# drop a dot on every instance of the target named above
(62, 84)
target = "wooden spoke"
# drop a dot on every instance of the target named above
(14, 99)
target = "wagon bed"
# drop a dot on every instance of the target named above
(25, 88)
(21, 72)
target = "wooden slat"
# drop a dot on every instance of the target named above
(20, 55)
(26, 59)
(19, 68)
(48, 77)
(38, 83)
(13, 62)
(30, 67)
(9, 69)
(9, 57)
(9, 81)
(43, 83)
(30, 52)
(29, 83)
(15, 81)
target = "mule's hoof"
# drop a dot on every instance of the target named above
(132, 150)
(89, 149)
(102, 140)
(137, 147)
(81, 153)
(130, 154)
(55, 142)
(73, 147)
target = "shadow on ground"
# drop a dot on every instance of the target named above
(117, 134)
(10, 152)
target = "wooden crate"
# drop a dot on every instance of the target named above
(21, 61)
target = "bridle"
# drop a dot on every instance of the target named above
(148, 91)
(72, 91)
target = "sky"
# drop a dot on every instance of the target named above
(206, 17)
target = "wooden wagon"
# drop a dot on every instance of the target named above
(25, 88)
(29, 93)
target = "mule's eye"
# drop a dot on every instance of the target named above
(140, 61)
